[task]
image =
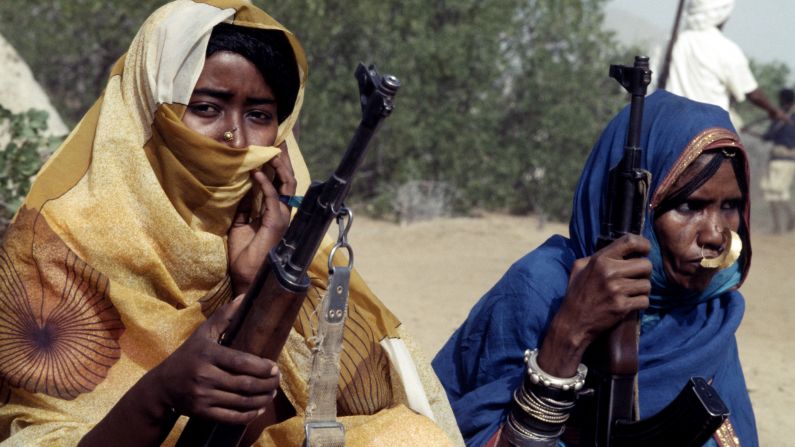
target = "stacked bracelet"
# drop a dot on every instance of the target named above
(520, 436)
(541, 406)
(537, 376)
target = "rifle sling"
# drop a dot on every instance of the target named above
(321, 426)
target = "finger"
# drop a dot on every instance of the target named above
(229, 416)
(634, 302)
(273, 205)
(270, 197)
(268, 227)
(237, 401)
(249, 387)
(232, 361)
(627, 246)
(285, 158)
(243, 211)
(636, 268)
(285, 177)
(579, 265)
(219, 321)
(630, 288)
(264, 184)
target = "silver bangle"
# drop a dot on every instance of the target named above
(538, 376)
(531, 405)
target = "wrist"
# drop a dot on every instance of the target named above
(140, 417)
(562, 349)
(152, 400)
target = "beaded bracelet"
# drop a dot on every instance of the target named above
(539, 377)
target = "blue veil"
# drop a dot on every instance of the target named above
(481, 364)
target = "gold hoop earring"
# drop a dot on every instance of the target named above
(229, 135)
(730, 255)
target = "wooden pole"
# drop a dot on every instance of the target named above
(662, 79)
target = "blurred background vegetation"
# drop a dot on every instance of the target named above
(501, 99)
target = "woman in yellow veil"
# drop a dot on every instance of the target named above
(118, 272)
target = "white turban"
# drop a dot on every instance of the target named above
(703, 14)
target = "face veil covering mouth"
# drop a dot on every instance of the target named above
(122, 236)
(119, 252)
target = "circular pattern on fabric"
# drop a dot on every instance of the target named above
(59, 331)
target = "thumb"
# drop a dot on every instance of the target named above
(578, 266)
(219, 321)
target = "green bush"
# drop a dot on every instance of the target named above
(24, 144)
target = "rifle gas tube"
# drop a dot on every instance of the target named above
(271, 304)
(607, 412)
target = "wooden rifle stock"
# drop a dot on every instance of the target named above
(272, 302)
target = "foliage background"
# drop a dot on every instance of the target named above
(500, 104)
(22, 151)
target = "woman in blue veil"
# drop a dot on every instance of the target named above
(558, 297)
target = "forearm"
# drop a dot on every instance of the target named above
(759, 99)
(140, 418)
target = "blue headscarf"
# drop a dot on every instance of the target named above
(481, 364)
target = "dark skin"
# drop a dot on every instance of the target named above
(605, 287)
(202, 378)
(697, 223)
(759, 99)
(225, 99)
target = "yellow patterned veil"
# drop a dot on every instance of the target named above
(119, 251)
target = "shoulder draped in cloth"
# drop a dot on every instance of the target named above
(482, 363)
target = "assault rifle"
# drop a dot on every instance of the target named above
(607, 412)
(271, 304)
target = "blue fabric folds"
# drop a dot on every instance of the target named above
(481, 364)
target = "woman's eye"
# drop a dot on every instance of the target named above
(732, 204)
(261, 116)
(203, 109)
(687, 206)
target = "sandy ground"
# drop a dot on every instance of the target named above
(431, 273)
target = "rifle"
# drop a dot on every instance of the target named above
(607, 410)
(271, 304)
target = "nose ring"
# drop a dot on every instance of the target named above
(730, 254)
(229, 135)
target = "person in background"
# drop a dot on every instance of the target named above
(118, 274)
(777, 182)
(707, 66)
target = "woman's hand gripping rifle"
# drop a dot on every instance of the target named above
(271, 304)
(608, 407)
